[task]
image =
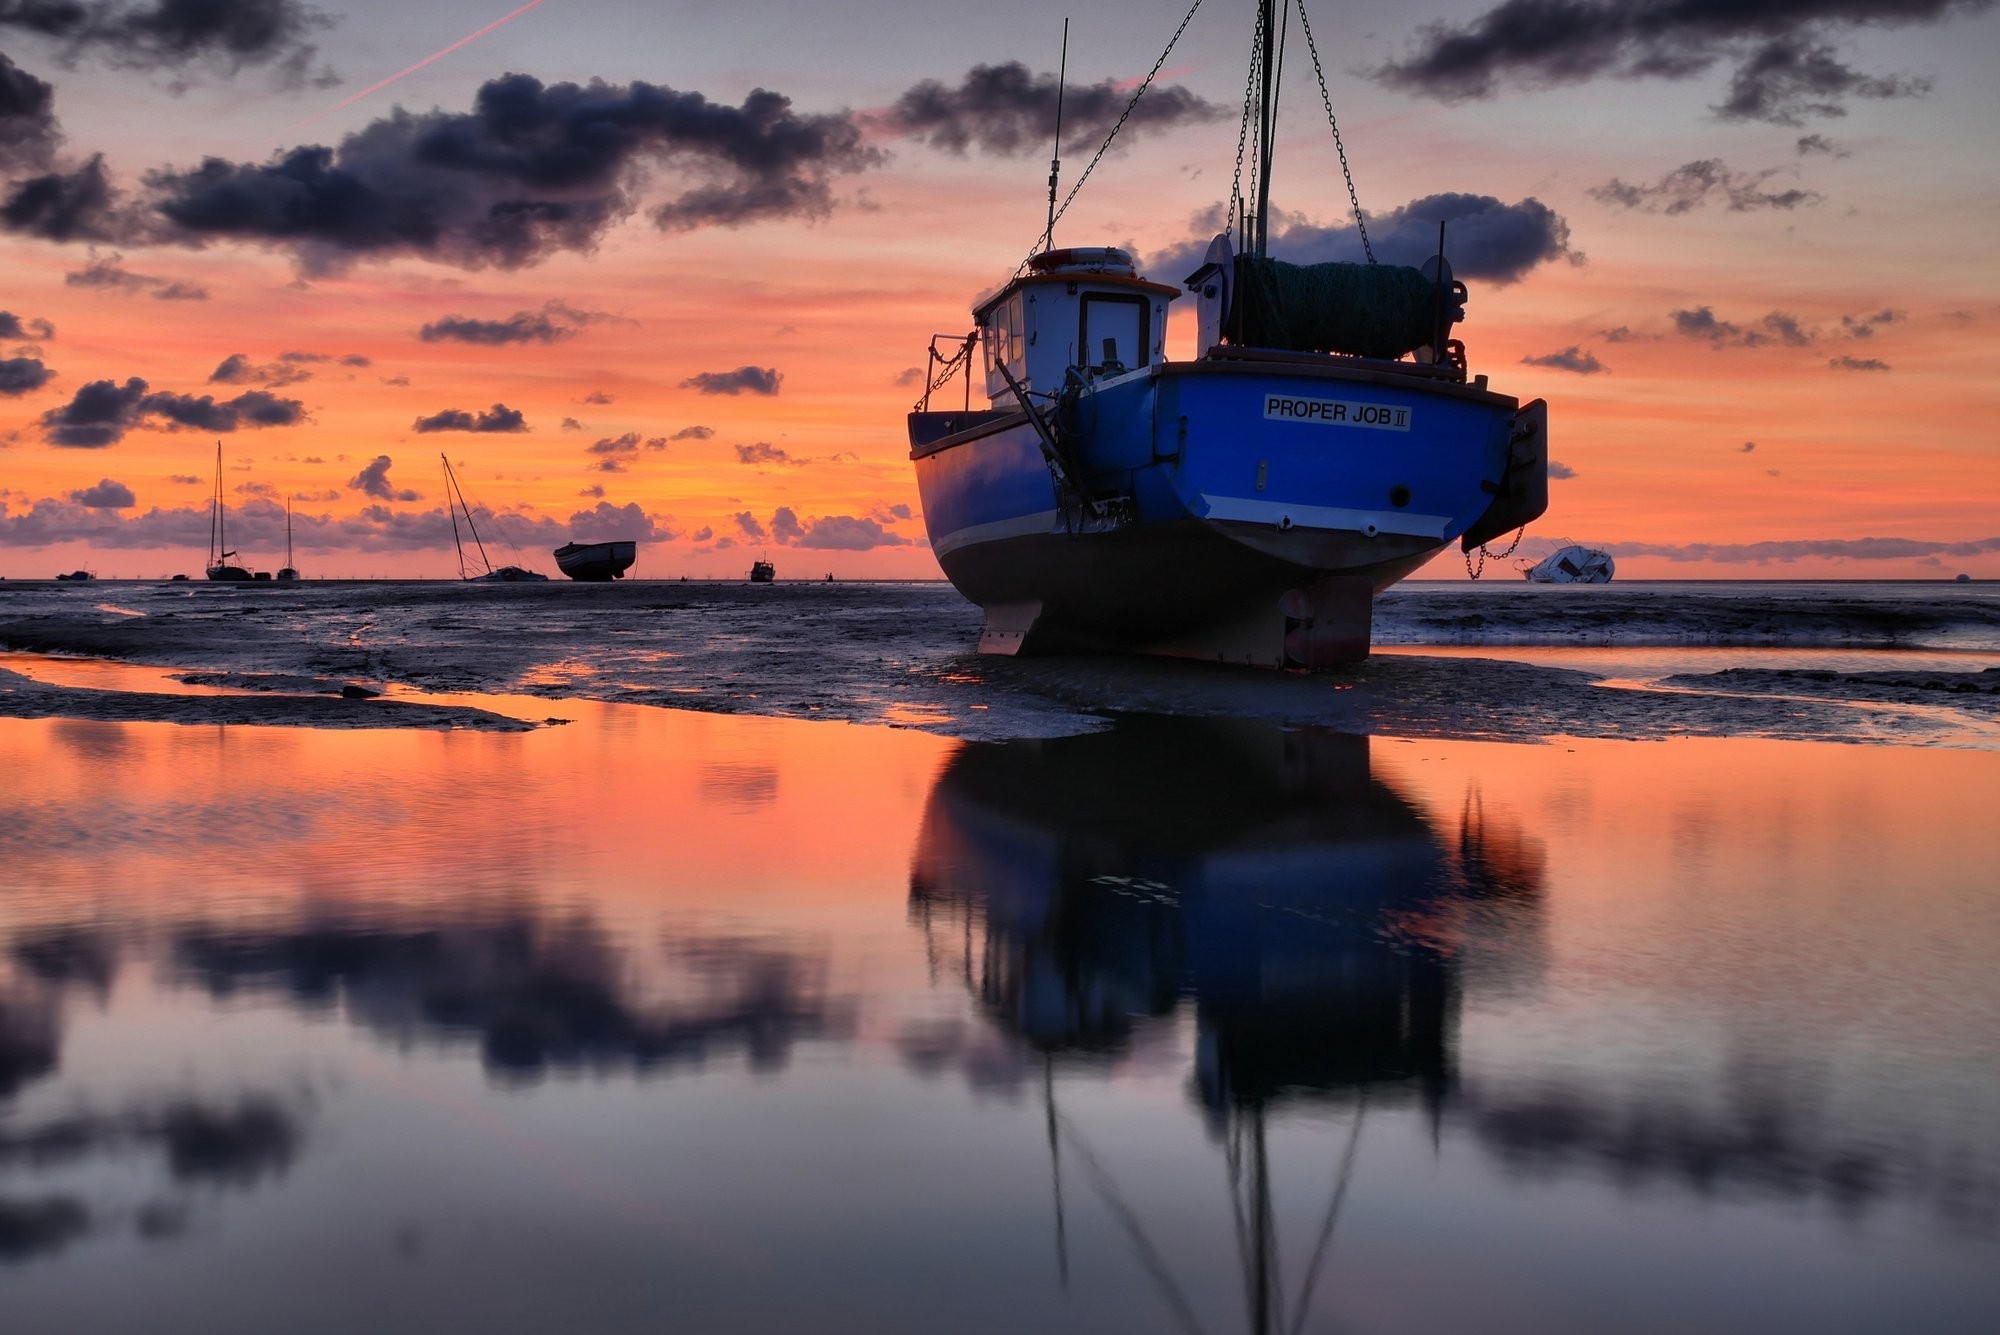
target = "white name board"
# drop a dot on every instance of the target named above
(1336, 412)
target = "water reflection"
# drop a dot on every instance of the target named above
(1306, 911)
(1266, 880)
(535, 991)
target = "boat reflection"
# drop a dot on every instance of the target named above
(1268, 880)
(1302, 907)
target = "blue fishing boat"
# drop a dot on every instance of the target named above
(1325, 441)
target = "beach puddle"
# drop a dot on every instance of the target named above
(736, 1022)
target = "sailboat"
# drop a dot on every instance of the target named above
(219, 567)
(290, 573)
(491, 574)
(1246, 506)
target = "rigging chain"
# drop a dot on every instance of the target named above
(950, 367)
(1123, 117)
(1338, 146)
(1243, 130)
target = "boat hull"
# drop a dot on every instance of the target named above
(596, 562)
(1241, 508)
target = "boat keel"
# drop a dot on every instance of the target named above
(1322, 624)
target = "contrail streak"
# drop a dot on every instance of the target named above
(434, 57)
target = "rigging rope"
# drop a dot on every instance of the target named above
(1138, 93)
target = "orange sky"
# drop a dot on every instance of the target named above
(1828, 436)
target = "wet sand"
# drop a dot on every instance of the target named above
(1909, 664)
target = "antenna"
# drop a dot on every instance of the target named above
(1055, 156)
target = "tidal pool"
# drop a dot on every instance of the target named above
(669, 1020)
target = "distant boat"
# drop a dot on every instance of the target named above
(596, 561)
(762, 572)
(76, 575)
(288, 574)
(492, 574)
(1572, 565)
(219, 567)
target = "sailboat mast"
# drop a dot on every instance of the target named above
(1266, 121)
(451, 480)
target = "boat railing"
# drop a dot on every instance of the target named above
(943, 369)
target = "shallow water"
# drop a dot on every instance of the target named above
(666, 1019)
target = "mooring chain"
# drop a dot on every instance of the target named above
(1140, 92)
(1476, 572)
(1338, 147)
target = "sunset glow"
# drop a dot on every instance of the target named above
(631, 295)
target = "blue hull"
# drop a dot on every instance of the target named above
(1207, 501)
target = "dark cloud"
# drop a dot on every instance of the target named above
(1559, 471)
(609, 465)
(693, 433)
(596, 490)
(23, 375)
(106, 495)
(1851, 549)
(763, 452)
(900, 510)
(703, 534)
(252, 408)
(179, 36)
(571, 424)
(1810, 144)
(844, 533)
(1749, 447)
(606, 522)
(1007, 109)
(908, 376)
(40, 1226)
(1485, 239)
(551, 324)
(14, 326)
(1571, 358)
(1622, 334)
(499, 418)
(238, 369)
(597, 397)
(1693, 184)
(374, 481)
(1776, 328)
(185, 479)
(108, 273)
(628, 443)
(751, 526)
(28, 130)
(1858, 364)
(785, 526)
(74, 205)
(1783, 66)
(532, 170)
(1864, 326)
(102, 411)
(98, 415)
(743, 380)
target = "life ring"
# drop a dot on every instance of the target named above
(1083, 257)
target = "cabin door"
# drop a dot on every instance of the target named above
(1119, 320)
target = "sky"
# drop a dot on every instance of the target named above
(668, 271)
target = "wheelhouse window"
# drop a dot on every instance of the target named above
(1005, 344)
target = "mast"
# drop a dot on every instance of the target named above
(451, 480)
(1055, 156)
(215, 504)
(1266, 121)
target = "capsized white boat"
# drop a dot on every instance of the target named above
(1573, 564)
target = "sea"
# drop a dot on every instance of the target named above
(715, 957)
